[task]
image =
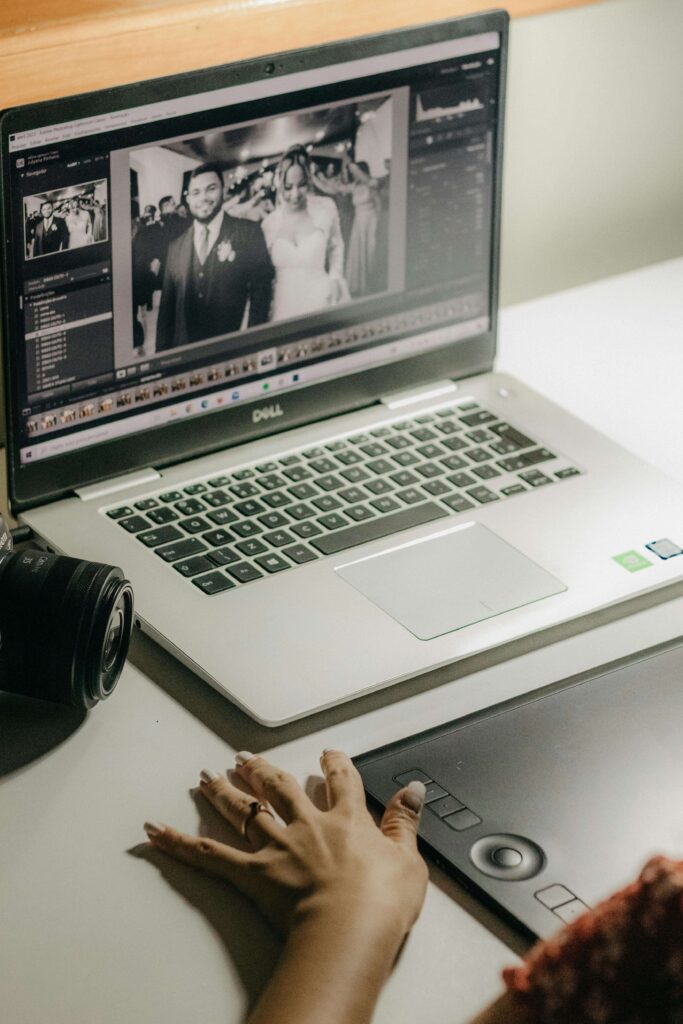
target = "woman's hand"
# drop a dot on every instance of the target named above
(334, 864)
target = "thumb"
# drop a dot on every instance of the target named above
(402, 815)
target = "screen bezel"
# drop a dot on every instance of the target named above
(57, 477)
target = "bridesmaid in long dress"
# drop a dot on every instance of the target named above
(305, 243)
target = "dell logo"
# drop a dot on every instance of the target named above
(266, 412)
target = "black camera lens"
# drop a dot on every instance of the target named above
(65, 627)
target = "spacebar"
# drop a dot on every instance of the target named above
(376, 528)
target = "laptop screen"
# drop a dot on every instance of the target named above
(186, 255)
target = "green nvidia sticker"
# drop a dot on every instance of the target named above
(632, 560)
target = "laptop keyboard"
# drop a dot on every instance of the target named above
(246, 524)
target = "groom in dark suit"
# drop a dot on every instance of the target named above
(213, 270)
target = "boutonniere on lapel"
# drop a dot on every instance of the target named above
(225, 252)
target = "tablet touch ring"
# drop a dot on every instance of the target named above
(508, 857)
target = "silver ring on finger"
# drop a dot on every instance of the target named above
(255, 807)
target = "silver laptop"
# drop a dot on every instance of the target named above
(250, 325)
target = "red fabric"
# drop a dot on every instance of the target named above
(621, 963)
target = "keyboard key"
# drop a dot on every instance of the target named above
(326, 503)
(462, 820)
(512, 463)
(216, 538)
(473, 419)
(374, 450)
(271, 481)
(219, 481)
(299, 553)
(448, 427)
(222, 556)
(562, 474)
(430, 451)
(298, 473)
(481, 435)
(406, 458)
(478, 454)
(119, 513)
(482, 494)
(352, 494)
(436, 488)
(306, 529)
(539, 455)
(513, 489)
(222, 516)
(169, 496)
(349, 458)
(249, 507)
(217, 498)
(193, 566)
(163, 535)
(144, 505)
(385, 505)
(429, 470)
(423, 434)
(509, 433)
(247, 528)
(404, 478)
(359, 439)
(379, 486)
(244, 572)
(334, 521)
(251, 547)
(411, 496)
(381, 465)
(290, 460)
(399, 441)
(458, 503)
(354, 474)
(278, 538)
(243, 474)
(134, 524)
(213, 583)
(461, 479)
(384, 526)
(329, 482)
(162, 515)
(324, 465)
(190, 507)
(276, 499)
(272, 520)
(359, 513)
(244, 491)
(181, 549)
(486, 472)
(195, 524)
(535, 478)
(453, 462)
(195, 489)
(267, 467)
(455, 444)
(313, 453)
(273, 563)
(303, 491)
(300, 511)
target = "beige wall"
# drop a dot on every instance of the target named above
(593, 181)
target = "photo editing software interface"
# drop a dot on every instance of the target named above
(176, 258)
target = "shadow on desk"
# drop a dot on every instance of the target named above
(241, 732)
(32, 728)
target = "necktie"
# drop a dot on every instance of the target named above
(203, 244)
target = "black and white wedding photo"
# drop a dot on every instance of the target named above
(65, 218)
(267, 222)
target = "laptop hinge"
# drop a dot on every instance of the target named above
(411, 396)
(116, 483)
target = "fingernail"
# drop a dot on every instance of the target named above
(206, 775)
(152, 829)
(242, 756)
(414, 796)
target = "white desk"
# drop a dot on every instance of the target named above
(90, 932)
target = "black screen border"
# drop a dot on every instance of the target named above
(57, 477)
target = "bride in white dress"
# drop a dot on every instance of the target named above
(305, 243)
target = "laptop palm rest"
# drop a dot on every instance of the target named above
(442, 583)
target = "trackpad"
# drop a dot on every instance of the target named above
(441, 583)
